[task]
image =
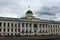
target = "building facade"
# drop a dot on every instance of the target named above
(28, 25)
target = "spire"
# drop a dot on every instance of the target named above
(29, 6)
(29, 11)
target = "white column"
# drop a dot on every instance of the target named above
(13, 31)
(6, 27)
(10, 24)
(38, 28)
(21, 27)
(32, 28)
(17, 29)
(2, 29)
(25, 28)
(10, 31)
(48, 28)
(28, 27)
(13, 28)
(41, 28)
(44, 27)
(59, 28)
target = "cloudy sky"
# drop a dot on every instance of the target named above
(43, 9)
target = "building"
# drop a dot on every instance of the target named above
(28, 25)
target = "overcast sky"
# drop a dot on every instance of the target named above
(43, 9)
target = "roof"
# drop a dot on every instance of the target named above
(9, 19)
(19, 19)
(29, 12)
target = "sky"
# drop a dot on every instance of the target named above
(43, 9)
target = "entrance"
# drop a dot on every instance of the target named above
(35, 29)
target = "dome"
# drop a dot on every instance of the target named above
(29, 12)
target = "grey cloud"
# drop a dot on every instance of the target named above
(49, 12)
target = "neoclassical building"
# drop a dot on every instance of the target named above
(28, 25)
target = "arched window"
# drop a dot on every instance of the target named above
(4, 24)
(15, 24)
(23, 31)
(40, 25)
(35, 25)
(8, 24)
(0, 24)
(11, 30)
(15, 30)
(11, 34)
(22, 24)
(8, 30)
(0, 29)
(11, 24)
(4, 30)
(30, 24)
(18, 24)
(18, 30)
(26, 24)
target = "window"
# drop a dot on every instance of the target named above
(11, 24)
(0, 30)
(4, 24)
(22, 24)
(8, 24)
(30, 32)
(11, 30)
(18, 30)
(15, 33)
(23, 31)
(15, 30)
(18, 24)
(58, 28)
(26, 31)
(46, 25)
(4, 30)
(15, 24)
(8, 34)
(11, 34)
(8, 30)
(43, 25)
(40, 25)
(26, 24)
(0, 24)
(30, 24)
(35, 25)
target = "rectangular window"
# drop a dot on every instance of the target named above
(0, 30)
(18, 24)
(0, 24)
(30, 24)
(18, 30)
(8, 30)
(4, 30)
(15, 30)
(43, 25)
(11, 24)
(4, 24)
(46, 25)
(26, 24)
(11, 30)
(15, 24)
(8, 24)
(40, 25)
(22, 24)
